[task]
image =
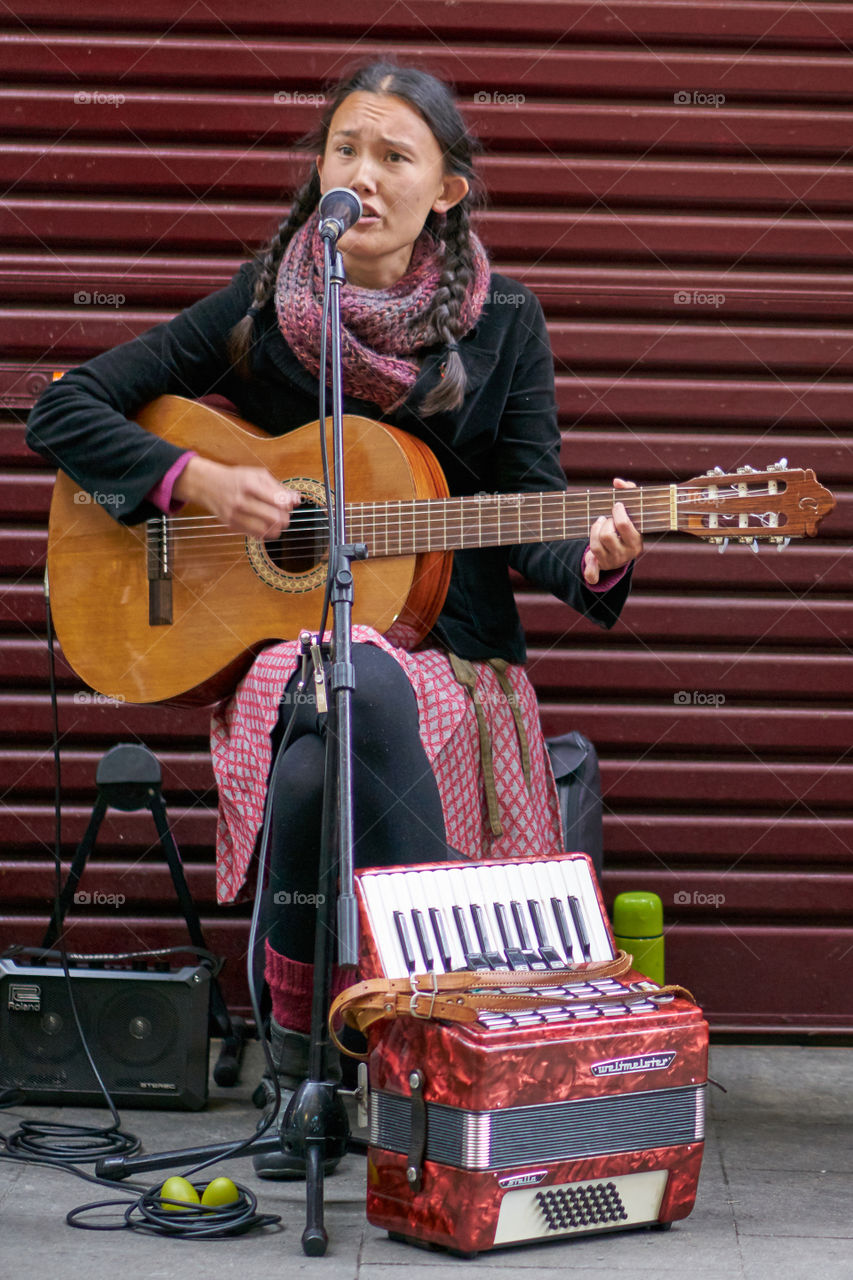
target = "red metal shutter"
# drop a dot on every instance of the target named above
(673, 180)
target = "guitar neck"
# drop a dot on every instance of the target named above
(501, 519)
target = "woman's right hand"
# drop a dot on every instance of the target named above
(246, 499)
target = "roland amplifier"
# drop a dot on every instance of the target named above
(147, 1032)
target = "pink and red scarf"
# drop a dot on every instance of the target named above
(382, 328)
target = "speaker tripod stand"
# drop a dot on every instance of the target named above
(129, 778)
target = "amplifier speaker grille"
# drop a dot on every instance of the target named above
(147, 1032)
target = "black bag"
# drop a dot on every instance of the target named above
(575, 764)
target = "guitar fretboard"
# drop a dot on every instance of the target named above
(500, 519)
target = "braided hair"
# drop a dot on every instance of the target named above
(434, 102)
(305, 201)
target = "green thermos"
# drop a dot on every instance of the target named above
(638, 928)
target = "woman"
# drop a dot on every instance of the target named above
(437, 345)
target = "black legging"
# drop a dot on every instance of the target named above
(397, 815)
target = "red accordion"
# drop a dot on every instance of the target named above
(527, 1125)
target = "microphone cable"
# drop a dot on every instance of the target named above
(53, 1144)
(157, 1214)
(324, 450)
(148, 1210)
(50, 1139)
(61, 1145)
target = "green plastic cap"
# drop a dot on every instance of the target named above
(637, 915)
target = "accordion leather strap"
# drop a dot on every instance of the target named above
(459, 997)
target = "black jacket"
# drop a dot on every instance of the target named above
(504, 437)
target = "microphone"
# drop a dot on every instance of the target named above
(340, 209)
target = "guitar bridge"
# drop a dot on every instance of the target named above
(158, 542)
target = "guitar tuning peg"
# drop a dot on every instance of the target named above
(724, 542)
(754, 545)
(781, 465)
(742, 471)
(781, 543)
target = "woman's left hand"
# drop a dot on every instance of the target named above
(613, 540)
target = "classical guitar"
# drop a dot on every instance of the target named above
(174, 609)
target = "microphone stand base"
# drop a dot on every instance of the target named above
(316, 1117)
(316, 1130)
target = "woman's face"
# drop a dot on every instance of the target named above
(387, 153)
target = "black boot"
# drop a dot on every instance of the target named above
(290, 1051)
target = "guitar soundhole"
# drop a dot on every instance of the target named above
(304, 543)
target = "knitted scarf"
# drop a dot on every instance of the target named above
(381, 328)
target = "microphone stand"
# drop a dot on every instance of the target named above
(315, 1124)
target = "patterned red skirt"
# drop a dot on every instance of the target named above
(526, 806)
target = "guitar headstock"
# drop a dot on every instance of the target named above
(747, 505)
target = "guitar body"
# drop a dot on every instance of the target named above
(189, 636)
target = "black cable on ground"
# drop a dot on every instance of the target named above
(157, 1215)
(147, 1211)
(70, 1143)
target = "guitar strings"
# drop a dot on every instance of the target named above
(228, 547)
(211, 543)
(421, 515)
